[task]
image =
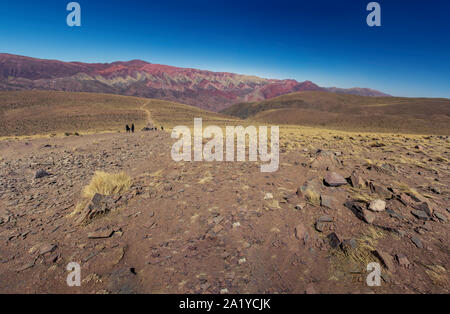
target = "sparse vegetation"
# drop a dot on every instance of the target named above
(107, 184)
(362, 254)
(350, 112)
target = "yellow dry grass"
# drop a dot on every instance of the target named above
(359, 256)
(107, 184)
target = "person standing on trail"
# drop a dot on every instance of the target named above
(132, 128)
(127, 128)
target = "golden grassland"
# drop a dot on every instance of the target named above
(29, 114)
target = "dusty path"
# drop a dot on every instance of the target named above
(148, 114)
(211, 227)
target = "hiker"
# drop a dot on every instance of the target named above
(132, 128)
(127, 128)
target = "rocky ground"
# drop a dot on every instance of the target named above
(336, 204)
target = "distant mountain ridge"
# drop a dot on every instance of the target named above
(209, 90)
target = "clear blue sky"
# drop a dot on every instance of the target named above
(327, 42)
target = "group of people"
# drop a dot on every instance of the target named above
(147, 128)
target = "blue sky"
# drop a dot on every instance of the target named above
(327, 42)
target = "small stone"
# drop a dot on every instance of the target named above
(426, 207)
(224, 291)
(380, 190)
(268, 196)
(236, 224)
(46, 248)
(300, 232)
(328, 201)
(334, 239)
(357, 181)
(403, 260)
(320, 226)
(377, 205)
(386, 259)
(299, 206)
(325, 218)
(348, 245)
(405, 199)
(440, 216)
(368, 216)
(421, 215)
(242, 261)
(417, 242)
(41, 174)
(334, 179)
(102, 234)
(25, 267)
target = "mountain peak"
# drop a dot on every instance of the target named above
(213, 91)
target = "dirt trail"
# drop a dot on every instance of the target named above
(148, 114)
(218, 227)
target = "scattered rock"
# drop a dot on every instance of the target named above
(325, 218)
(326, 160)
(334, 179)
(357, 181)
(380, 190)
(386, 259)
(98, 205)
(405, 199)
(101, 234)
(334, 239)
(123, 281)
(300, 232)
(25, 267)
(362, 213)
(348, 245)
(328, 201)
(421, 215)
(417, 242)
(440, 216)
(46, 248)
(320, 226)
(41, 174)
(377, 205)
(426, 207)
(403, 260)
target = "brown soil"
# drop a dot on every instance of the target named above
(223, 227)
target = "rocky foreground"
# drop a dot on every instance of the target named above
(336, 204)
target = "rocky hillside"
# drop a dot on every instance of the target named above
(338, 202)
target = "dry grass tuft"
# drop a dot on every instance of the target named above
(107, 184)
(363, 253)
(403, 187)
(437, 274)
